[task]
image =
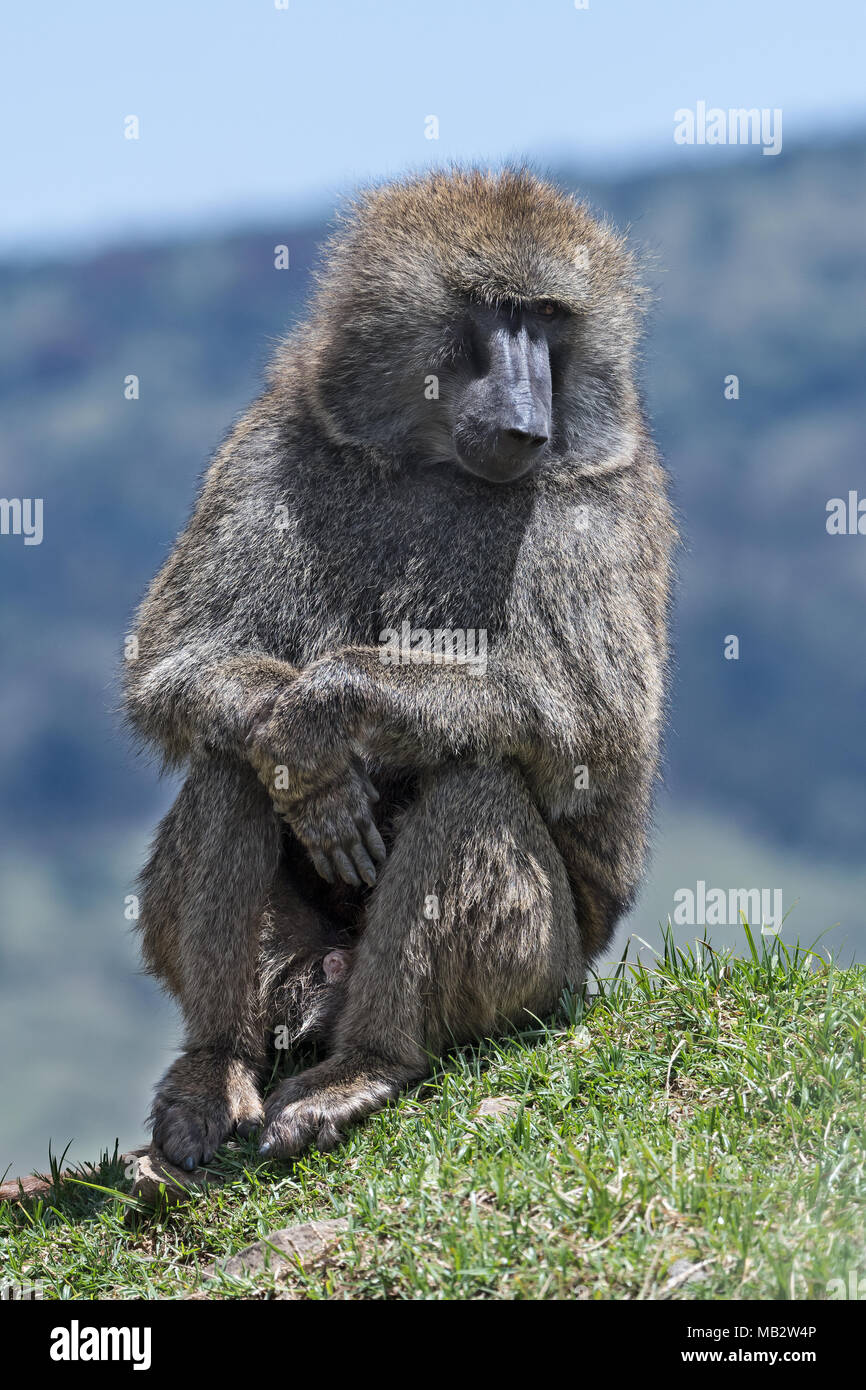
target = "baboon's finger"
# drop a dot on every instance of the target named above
(374, 841)
(369, 788)
(345, 868)
(363, 863)
(322, 865)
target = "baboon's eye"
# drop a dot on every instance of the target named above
(546, 309)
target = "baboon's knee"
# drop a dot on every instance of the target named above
(497, 862)
(500, 936)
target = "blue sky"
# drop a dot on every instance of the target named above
(246, 108)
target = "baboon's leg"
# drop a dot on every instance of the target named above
(205, 894)
(470, 927)
(604, 858)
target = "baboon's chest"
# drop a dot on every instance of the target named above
(428, 556)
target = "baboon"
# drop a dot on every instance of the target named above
(452, 443)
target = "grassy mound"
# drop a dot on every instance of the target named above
(693, 1130)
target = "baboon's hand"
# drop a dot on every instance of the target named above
(335, 824)
(332, 819)
(320, 787)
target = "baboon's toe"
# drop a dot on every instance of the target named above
(247, 1127)
(305, 1125)
(187, 1136)
(315, 1109)
(201, 1102)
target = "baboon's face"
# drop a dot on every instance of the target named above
(501, 389)
(479, 322)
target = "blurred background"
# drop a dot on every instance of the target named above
(154, 257)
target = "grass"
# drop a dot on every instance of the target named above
(692, 1131)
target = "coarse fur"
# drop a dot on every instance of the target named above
(494, 870)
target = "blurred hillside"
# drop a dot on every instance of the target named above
(758, 265)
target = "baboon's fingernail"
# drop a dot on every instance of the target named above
(189, 1163)
(265, 1148)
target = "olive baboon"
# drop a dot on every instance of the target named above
(452, 444)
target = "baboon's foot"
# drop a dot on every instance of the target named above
(314, 1110)
(203, 1099)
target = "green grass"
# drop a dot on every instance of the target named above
(705, 1112)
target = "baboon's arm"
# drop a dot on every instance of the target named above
(202, 660)
(197, 697)
(534, 709)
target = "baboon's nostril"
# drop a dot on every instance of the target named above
(527, 440)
